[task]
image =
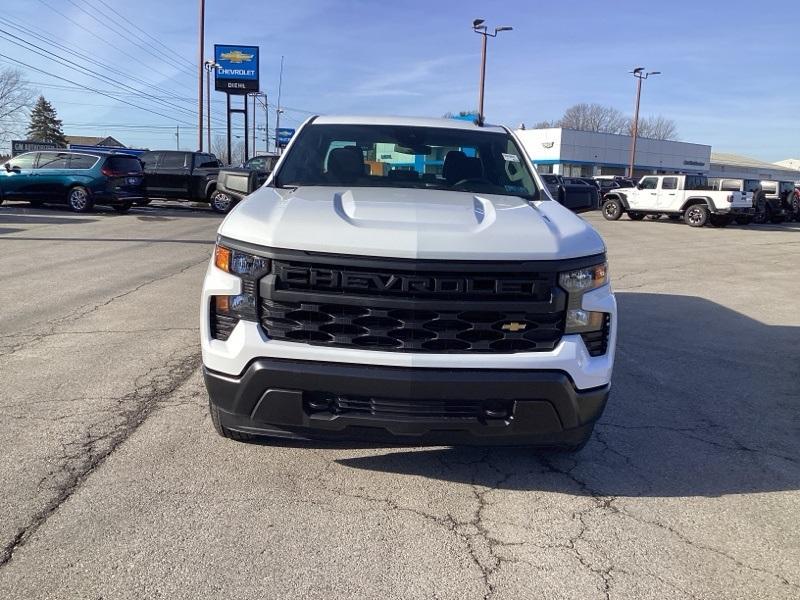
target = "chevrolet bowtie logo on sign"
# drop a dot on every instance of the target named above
(236, 56)
(237, 72)
(513, 327)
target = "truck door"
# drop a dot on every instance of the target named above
(668, 194)
(173, 174)
(646, 196)
(150, 168)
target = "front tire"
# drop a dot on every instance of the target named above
(696, 216)
(221, 202)
(612, 209)
(79, 200)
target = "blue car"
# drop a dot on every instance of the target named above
(79, 179)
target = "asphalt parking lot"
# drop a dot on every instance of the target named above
(114, 485)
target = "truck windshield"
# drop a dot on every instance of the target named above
(482, 162)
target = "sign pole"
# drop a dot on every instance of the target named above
(228, 100)
(201, 56)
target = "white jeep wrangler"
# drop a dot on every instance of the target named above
(408, 280)
(689, 197)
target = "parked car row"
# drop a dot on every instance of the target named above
(698, 200)
(82, 179)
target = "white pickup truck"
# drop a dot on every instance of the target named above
(689, 197)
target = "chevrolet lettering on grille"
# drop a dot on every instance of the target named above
(355, 281)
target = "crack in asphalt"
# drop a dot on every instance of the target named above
(86, 310)
(80, 458)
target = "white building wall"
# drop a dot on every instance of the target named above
(558, 146)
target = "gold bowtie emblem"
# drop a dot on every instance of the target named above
(514, 326)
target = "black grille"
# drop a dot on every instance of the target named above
(411, 330)
(488, 309)
(391, 408)
(597, 341)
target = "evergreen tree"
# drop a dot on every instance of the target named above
(45, 126)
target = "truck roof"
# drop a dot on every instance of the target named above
(407, 121)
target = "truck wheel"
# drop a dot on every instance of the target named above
(79, 200)
(612, 209)
(221, 202)
(744, 220)
(224, 431)
(635, 216)
(720, 220)
(696, 216)
(796, 209)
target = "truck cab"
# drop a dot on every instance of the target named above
(688, 197)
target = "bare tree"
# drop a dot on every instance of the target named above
(16, 97)
(219, 147)
(657, 128)
(545, 125)
(594, 117)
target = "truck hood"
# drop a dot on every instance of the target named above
(410, 223)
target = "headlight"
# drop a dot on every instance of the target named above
(576, 283)
(226, 311)
(240, 263)
(582, 280)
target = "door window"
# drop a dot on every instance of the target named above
(82, 161)
(649, 183)
(173, 160)
(53, 160)
(669, 183)
(22, 161)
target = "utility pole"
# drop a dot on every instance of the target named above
(177, 137)
(479, 27)
(278, 109)
(201, 54)
(639, 73)
(266, 124)
(210, 65)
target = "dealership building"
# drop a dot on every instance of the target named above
(575, 153)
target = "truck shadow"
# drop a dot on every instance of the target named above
(705, 402)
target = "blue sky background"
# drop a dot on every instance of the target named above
(731, 70)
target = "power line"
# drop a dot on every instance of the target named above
(134, 25)
(90, 89)
(86, 71)
(118, 31)
(98, 36)
(16, 24)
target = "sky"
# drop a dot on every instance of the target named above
(731, 70)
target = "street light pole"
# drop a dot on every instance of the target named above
(480, 28)
(278, 109)
(201, 54)
(210, 65)
(640, 74)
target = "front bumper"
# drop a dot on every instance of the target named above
(287, 398)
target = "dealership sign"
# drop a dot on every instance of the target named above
(283, 135)
(20, 146)
(238, 69)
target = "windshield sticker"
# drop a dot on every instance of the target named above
(510, 157)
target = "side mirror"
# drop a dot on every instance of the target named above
(8, 167)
